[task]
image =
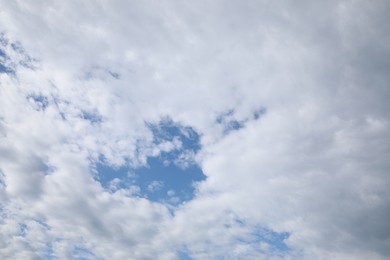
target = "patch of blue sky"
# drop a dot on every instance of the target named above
(232, 126)
(183, 255)
(25, 60)
(167, 130)
(16, 46)
(42, 224)
(274, 240)
(3, 66)
(22, 229)
(3, 69)
(165, 178)
(91, 117)
(228, 122)
(258, 113)
(47, 252)
(39, 102)
(82, 253)
(56, 101)
(156, 182)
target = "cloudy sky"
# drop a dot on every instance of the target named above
(202, 129)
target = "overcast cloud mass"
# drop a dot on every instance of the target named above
(276, 112)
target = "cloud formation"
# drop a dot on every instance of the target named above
(289, 102)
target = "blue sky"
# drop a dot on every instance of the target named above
(194, 130)
(3, 68)
(168, 177)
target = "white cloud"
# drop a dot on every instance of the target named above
(91, 76)
(155, 186)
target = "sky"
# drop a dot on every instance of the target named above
(194, 129)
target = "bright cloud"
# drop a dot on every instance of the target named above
(194, 130)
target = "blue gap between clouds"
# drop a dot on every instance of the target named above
(258, 234)
(183, 255)
(92, 117)
(81, 253)
(230, 124)
(163, 179)
(41, 102)
(77, 252)
(3, 67)
(276, 240)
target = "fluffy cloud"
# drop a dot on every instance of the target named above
(290, 101)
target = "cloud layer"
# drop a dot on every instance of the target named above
(290, 102)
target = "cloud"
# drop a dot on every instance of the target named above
(283, 106)
(155, 186)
